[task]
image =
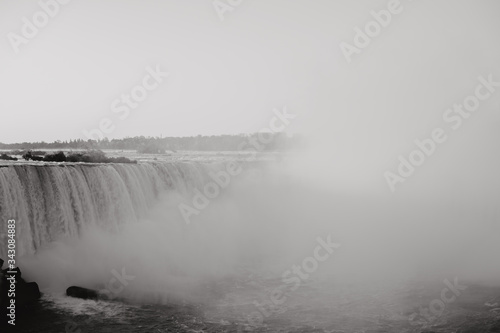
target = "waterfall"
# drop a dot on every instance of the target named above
(51, 201)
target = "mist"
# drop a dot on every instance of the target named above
(268, 220)
(395, 182)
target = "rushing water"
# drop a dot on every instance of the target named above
(50, 201)
(84, 224)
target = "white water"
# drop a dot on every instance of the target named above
(49, 202)
(78, 223)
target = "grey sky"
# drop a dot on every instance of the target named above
(227, 76)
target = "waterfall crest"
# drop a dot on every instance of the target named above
(50, 201)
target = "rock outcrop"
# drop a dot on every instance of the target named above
(83, 293)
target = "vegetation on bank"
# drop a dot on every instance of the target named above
(22, 152)
(91, 156)
(6, 157)
(152, 145)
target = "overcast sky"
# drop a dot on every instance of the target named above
(227, 76)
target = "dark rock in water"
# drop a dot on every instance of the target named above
(27, 292)
(23, 293)
(17, 271)
(80, 292)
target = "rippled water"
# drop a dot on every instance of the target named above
(227, 303)
(317, 306)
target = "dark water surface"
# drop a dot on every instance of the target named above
(317, 306)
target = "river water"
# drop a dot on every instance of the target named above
(250, 256)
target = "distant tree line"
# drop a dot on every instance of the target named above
(273, 142)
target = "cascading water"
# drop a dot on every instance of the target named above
(51, 201)
(85, 224)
